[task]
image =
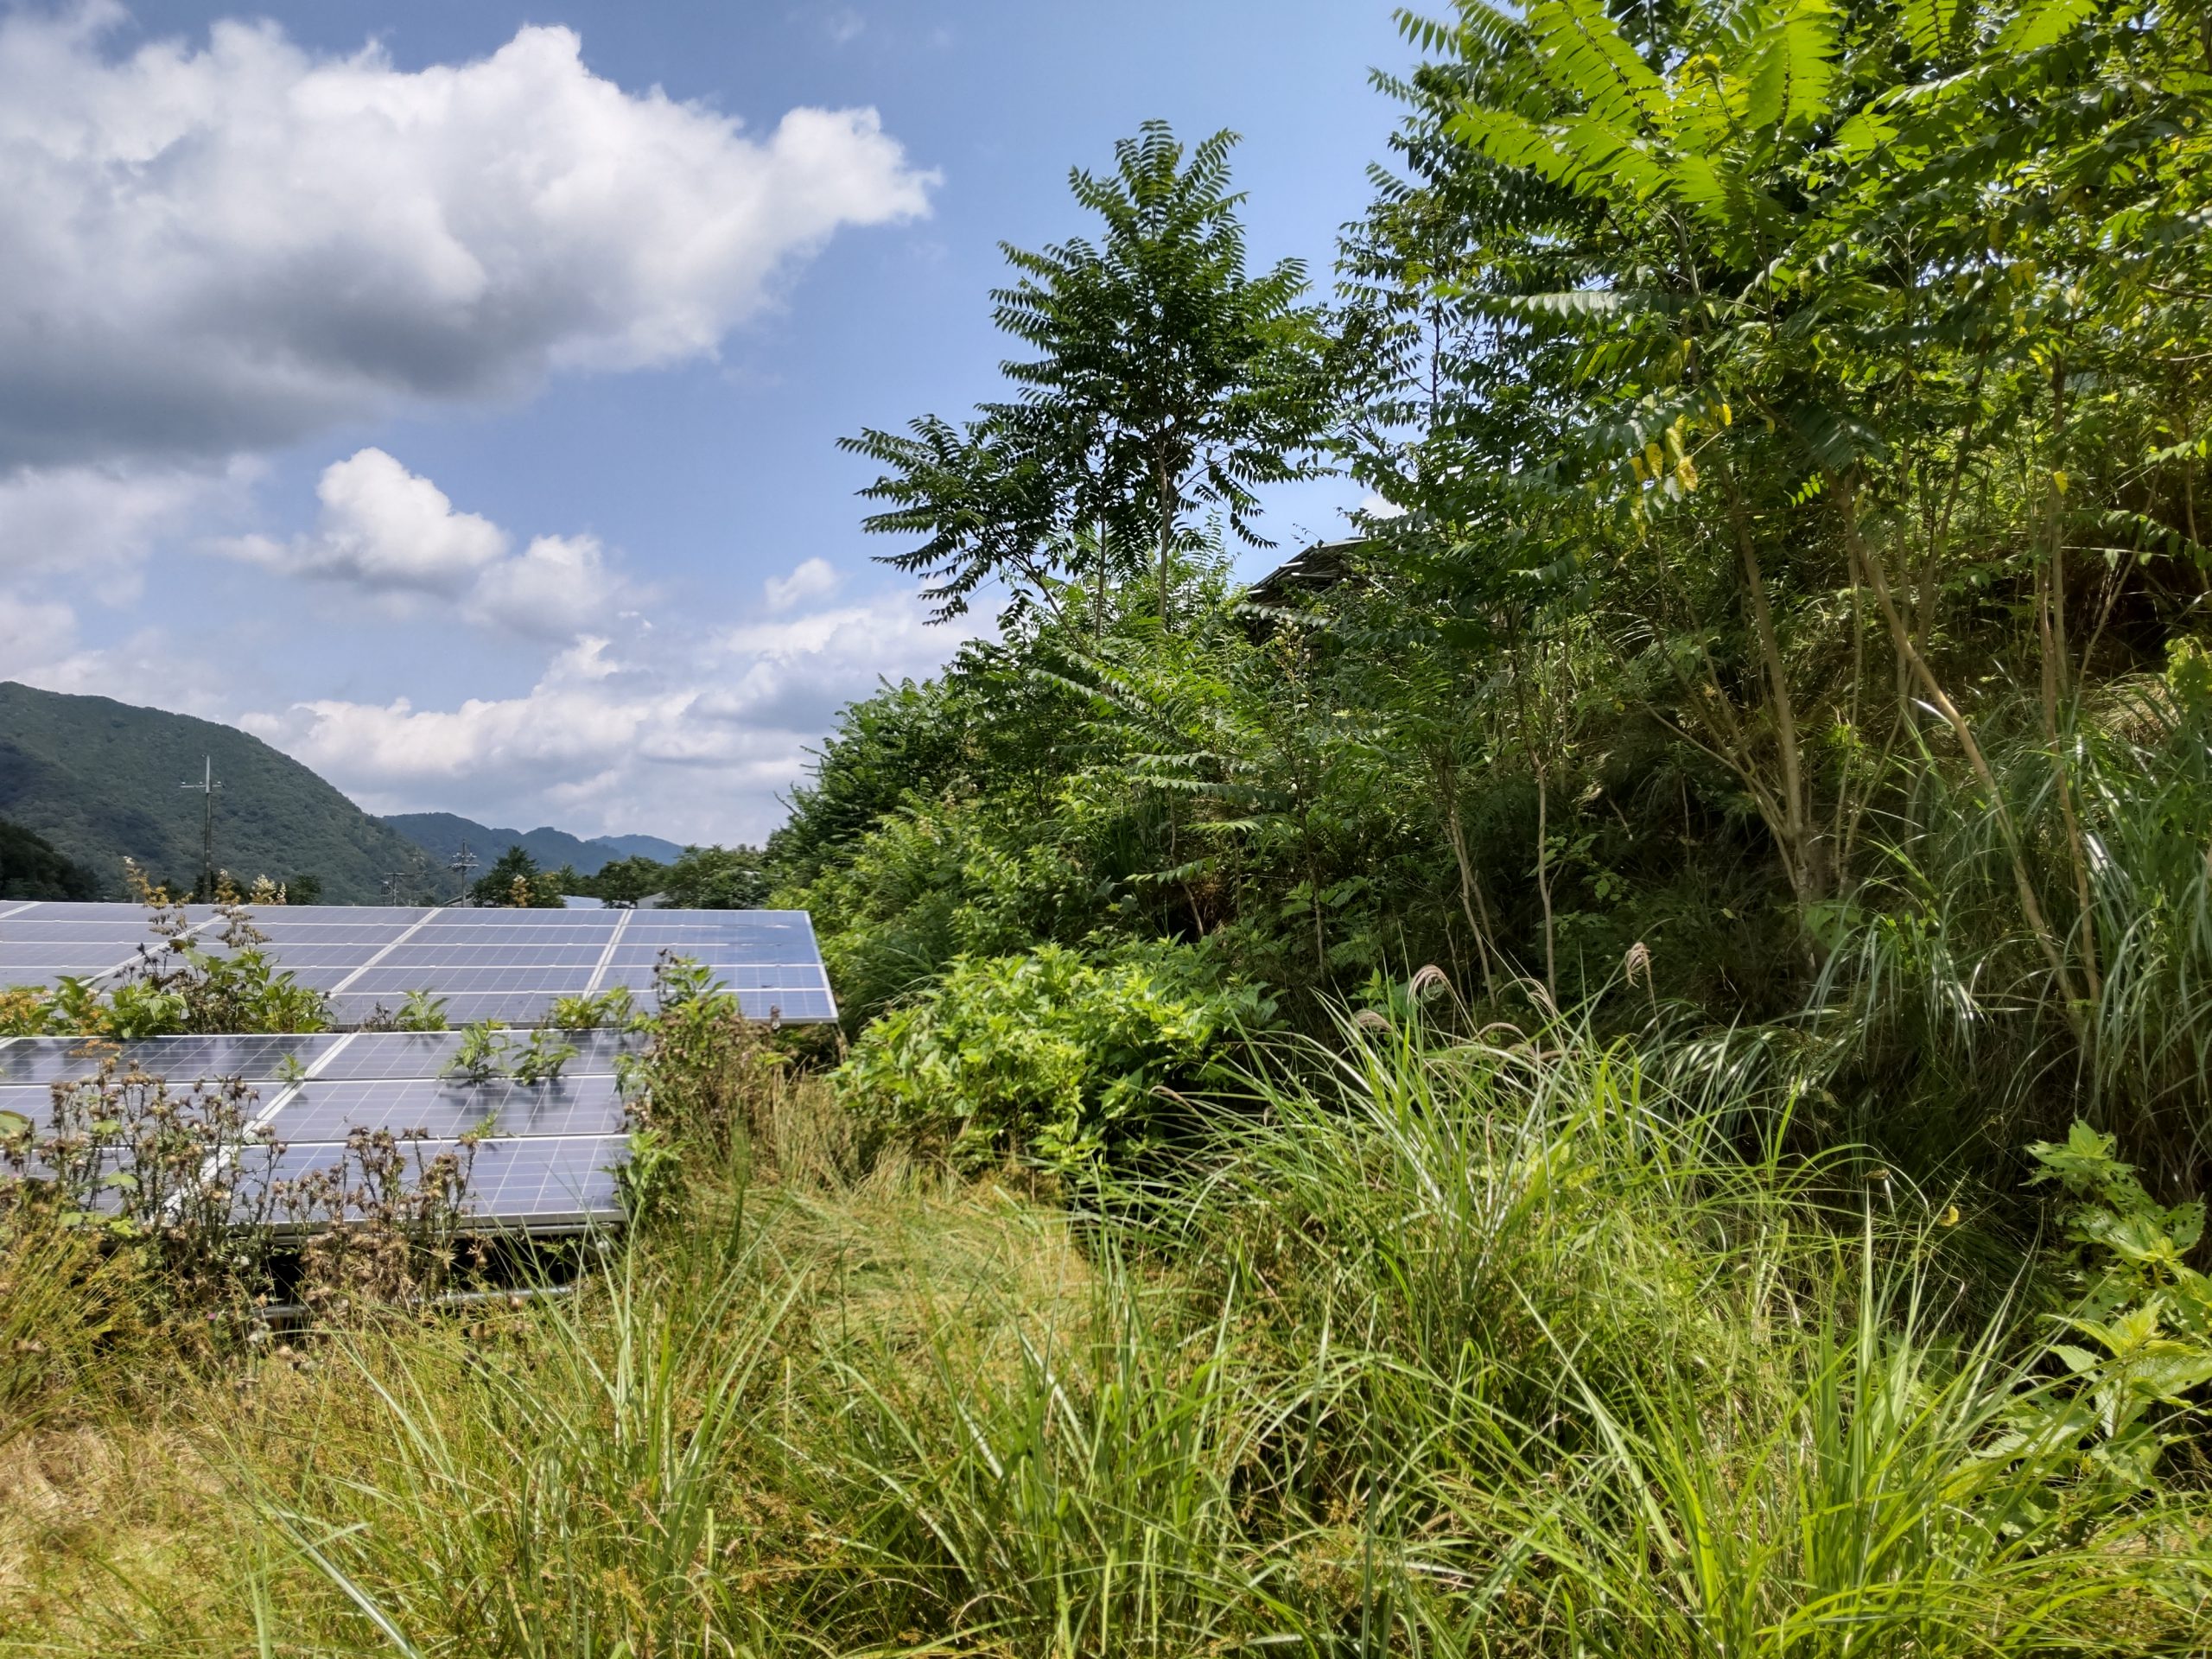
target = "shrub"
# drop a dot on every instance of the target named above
(421, 1012)
(382, 1224)
(24, 1011)
(542, 1057)
(706, 1074)
(931, 882)
(482, 1056)
(1052, 1056)
(612, 1009)
(176, 986)
(180, 1177)
(178, 1186)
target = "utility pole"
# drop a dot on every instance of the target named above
(463, 864)
(207, 785)
(391, 881)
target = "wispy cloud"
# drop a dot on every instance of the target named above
(695, 733)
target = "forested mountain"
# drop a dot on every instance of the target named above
(31, 868)
(441, 834)
(650, 847)
(99, 779)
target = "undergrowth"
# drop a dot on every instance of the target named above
(1442, 1346)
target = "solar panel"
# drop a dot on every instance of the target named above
(26, 1102)
(507, 965)
(44, 1061)
(538, 1184)
(544, 1162)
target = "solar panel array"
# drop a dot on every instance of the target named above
(544, 1162)
(507, 965)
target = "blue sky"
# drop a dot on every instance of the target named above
(449, 392)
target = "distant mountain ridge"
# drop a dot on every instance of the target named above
(99, 779)
(441, 834)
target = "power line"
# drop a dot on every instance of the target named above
(207, 785)
(463, 864)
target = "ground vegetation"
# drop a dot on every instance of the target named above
(1618, 1069)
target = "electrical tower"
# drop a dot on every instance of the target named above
(463, 864)
(207, 785)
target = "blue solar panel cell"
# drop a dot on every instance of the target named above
(182, 1060)
(361, 1056)
(500, 964)
(324, 1110)
(428, 1054)
(30, 1102)
(538, 1183)
(118, 930)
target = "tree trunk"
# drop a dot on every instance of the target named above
(1098, 620)
(1543, 874)
(2051, 616)
(1543, 834)
(1166, 539)
(1804, 852)
(1471, 892)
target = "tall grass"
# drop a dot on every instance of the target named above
(561, 1491)
(1452, 1348)
(1942, 1003)
(71, 1329)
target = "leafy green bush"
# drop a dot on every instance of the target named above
(515, 882)
(542, 1057)
(1052, 1055)
(204, 993)
(2141, 1303)
(421, 1012)
(700, 1086)
(933, 881)
(612, 1009)
(705, 878)
(482, 1056)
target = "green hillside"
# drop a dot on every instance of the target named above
(31, 868)
(99, 780)
(441, 834)
(653, 847)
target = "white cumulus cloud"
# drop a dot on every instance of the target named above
(813, 579)
(33, 633)
(384, 527)
(220, 248)
(392, 531)
(558, 585)
(41, 644)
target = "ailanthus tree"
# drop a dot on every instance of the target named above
(1787, 318)
(1168, 382)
